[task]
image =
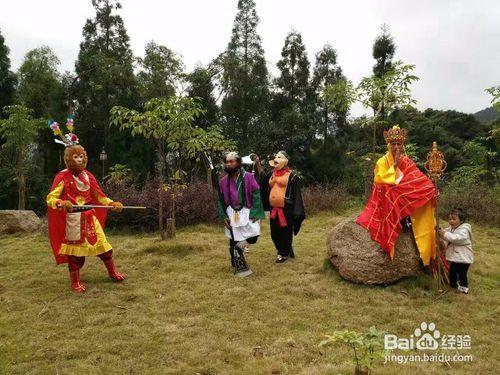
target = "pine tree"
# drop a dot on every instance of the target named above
(293, 111)
(244, 79)
(327, 72)
(293, 81)
(383, 51)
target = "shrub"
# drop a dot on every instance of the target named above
(197, 204)
(481, 202)
(327, 197)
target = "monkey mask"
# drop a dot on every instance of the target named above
(75, 158)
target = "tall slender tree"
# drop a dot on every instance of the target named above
(327, 72)
(40, 83)
(244, 79)
(7, 77)
(42, 89)
(383, 52)
(293, 107)
(105, 77)
(19, 131)
(202, 87)
(293, 80)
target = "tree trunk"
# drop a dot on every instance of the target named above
(170, 226)
(368, 174)
(160, 187)
(374, 138)
(209, 180)
(21, 181)
(169, 229)
(325, 124)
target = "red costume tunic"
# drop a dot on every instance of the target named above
(77, 233)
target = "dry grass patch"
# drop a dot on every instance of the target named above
(181, 311)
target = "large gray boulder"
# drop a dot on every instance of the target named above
(361, 260)
(14, 221)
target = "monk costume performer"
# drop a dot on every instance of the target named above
(76, 233)
(281, 194)
(400, 190)
(240, 206)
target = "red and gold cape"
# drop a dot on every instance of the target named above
(398, 193)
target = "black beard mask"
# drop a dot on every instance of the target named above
(231, 170)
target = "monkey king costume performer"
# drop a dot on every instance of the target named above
(240, 206)
(400, 190)
(76, 233)
(282, 197)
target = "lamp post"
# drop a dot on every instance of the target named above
(103, 157)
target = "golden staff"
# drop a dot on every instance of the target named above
(435, 167)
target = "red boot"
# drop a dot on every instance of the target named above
(110, 266)
(75, 282)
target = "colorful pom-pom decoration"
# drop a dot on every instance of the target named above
(69, 139)
(69, 123)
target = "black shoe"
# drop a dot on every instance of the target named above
(292, 254)
(280, 259)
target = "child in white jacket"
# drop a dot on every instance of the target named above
(458, 241)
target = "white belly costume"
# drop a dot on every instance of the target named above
(242, 226)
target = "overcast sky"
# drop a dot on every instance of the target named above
(455, 44)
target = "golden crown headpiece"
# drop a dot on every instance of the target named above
(396, 134)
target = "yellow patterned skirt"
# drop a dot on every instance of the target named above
(85, 249)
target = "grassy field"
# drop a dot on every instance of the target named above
(181, 311)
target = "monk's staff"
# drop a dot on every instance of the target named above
(435, 167)
(90, 206)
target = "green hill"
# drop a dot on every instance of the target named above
(487, 115)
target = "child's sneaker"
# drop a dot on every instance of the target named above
(463, 289)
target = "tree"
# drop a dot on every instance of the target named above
(42, 89)
(339, 96)
(170, 123)
(386, 93)
(327, 73)
(105, 78)
(202, 87)
(244, 79)
(7, 78)
(161, 71)
(293, 110)
(383, 52)
(19, 131)
(495, 93)
(293, 81)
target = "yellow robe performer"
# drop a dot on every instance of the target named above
(398, 193)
